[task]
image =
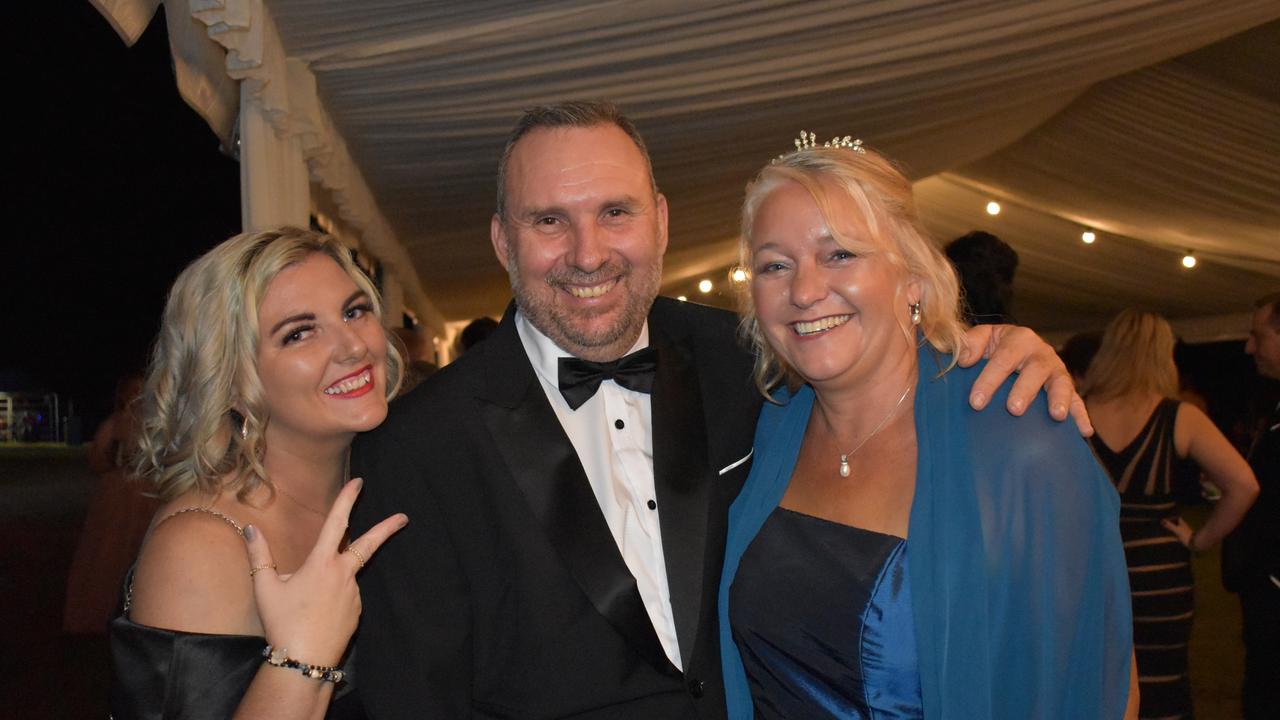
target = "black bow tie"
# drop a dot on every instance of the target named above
(579, 379)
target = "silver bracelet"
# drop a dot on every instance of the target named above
(279, 657)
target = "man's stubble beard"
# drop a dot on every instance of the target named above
(554, 321)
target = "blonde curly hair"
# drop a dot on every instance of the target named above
(883, 201)
(204, 413)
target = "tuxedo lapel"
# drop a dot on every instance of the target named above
(682, 478)
(528, 436)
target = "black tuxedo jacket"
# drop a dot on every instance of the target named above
(1251, 553)
(506, 595)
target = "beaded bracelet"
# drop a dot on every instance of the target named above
(279, 657)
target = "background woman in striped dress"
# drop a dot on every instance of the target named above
(1141, 435)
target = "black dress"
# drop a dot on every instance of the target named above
(821, 614)
(160, 674)
(1159, 565)
(169, 675)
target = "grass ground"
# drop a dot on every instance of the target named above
(1217, 655)
(43, 495)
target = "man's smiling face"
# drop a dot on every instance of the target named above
(583, 237)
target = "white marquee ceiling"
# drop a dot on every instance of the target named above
(1156, 122)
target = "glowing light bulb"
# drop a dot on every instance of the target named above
(993, 208)
(1088, 237)
(1188, 260)
(683, 298)
(705, 286)
(739, 275)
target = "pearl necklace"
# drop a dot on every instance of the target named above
(844, 457)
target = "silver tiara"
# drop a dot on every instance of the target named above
(809, 141)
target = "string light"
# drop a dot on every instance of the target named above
(1188, 260)
(705, 286)
(683, 298)
(993, 208)
(738, 275)
(1088, 237)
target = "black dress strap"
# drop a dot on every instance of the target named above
(1142, 467)
(207, 511)
(128, 591)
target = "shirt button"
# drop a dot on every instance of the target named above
(653, 505)
(619, 424)
(696, 688)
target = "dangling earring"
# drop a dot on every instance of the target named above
(915, 313)
(244, 429)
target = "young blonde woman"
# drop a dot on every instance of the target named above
(1143, 433)
(270, 358)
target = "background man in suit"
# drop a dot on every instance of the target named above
(568, 480)
(1251, 553)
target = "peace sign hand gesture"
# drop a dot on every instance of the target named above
(313, 612)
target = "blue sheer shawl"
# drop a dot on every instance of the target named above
(1020, 594)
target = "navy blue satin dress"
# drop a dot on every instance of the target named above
(821, 613)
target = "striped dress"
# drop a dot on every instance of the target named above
(1159, 565)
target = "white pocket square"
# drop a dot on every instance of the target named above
(737, 462)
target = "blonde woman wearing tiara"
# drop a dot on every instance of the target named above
(895, 554)
(270, 358)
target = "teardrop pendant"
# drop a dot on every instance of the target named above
(844, 466)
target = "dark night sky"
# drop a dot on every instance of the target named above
(113, 185)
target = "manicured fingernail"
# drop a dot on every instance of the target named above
(1015, 406)
(1059, 410)
(250, 532)
(978, 400)
(359, 483)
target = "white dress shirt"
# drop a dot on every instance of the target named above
(613, 436)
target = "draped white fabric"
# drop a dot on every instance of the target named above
(1157, 122)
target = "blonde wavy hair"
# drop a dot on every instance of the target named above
(202, 387)
(883, 203)
(1136, 356)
